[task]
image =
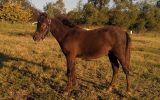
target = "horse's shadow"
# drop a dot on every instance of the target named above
(7, 58)
(24, 71)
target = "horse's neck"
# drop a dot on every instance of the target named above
(58, 30)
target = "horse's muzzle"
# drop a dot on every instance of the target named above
(35, 37)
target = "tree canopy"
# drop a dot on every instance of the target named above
(55, 9)
(15, 11)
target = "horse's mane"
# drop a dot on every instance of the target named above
(66, 21)
(63, 19)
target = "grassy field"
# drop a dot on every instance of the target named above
(36, 70)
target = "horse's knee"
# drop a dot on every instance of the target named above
(126, 70)
(67, 74)
(124, 66)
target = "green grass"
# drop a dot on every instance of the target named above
(37, 70)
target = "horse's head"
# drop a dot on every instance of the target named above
(43, 27)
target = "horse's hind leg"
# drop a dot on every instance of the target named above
(125, 67)
(115, 67)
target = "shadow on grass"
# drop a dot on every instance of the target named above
(97, 86)
(6, 58)
(20, 33)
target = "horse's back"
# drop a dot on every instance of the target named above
(91, 44)
(97, 42)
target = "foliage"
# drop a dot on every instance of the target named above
(148, 18)
(103, 16)
(117, 18)
(15, 12)
(76, 16)
(139, 16)
(90, 14)
(99, 3)
(129, 12)
(152, 17)
(55, 9)
(80, 5)
(51, 11)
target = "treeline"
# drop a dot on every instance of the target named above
(141, 16)
(137, 15)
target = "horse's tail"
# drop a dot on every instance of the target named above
(128, 46)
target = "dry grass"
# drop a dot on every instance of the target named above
(37, 70)
(16, 29)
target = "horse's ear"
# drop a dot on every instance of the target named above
(68, 23)
(39, 12)
(49, 21)
(44, 14)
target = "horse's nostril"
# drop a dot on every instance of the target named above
(34, 38)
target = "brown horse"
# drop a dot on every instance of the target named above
(87, 44)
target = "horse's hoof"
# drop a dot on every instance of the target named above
(129, 93)
(65, 93)
(109, 89)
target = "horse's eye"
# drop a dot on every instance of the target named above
(44, 25)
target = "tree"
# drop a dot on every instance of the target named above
(140, 16)
(158, 4)
(79, 6)
(116, 17)
(152, 18)
(124, 9)
(55, 9)
(103, 16)
(90, 14)
(50, 10)
(15, 12)
(132, 15)
(99, 3)
(77, 14)
(148, 18)
(60, 6)
(25, 4)
(93, 16)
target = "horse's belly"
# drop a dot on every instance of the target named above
(90, 57)
(93, 55)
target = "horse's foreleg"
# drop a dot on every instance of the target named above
(115, 67)
(70, 74)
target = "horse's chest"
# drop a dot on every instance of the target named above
(69, 47)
